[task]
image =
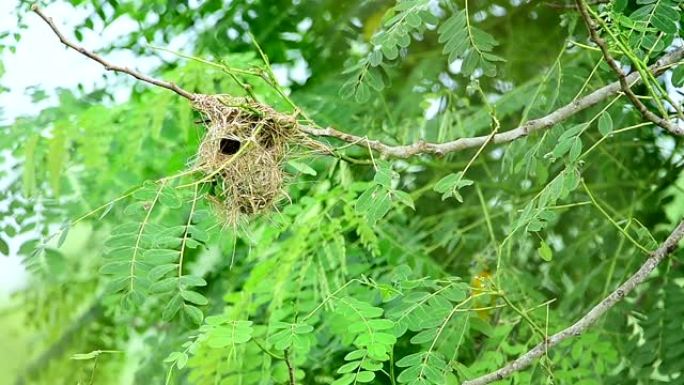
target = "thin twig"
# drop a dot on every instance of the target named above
(290, 368)
(612, 221)
(109, 66)
(622, 78)
(579, 327)
(263, 349)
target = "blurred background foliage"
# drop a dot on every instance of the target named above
(320, 263)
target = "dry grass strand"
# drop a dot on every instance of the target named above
(243, 152)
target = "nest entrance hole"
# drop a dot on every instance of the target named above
(229, 146)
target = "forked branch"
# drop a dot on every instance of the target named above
(625, 85)
(420, 147)
(579, 327)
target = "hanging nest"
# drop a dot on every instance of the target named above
(242, 154)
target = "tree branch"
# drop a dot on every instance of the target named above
(290, 368)
(624, 84)
(520, 363)
(109, 66)
(421, 147)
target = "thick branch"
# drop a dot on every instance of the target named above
(592, 316)
(109, 66)
(405, 151)
(624, 84)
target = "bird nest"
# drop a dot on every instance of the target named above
(242, 154)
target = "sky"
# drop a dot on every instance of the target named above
(41, 60)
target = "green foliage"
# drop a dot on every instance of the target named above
(404, 19)
(369, 333)
(365, 272)
(474, 45)
(432, 315)
(450, 184)
(145, 258)
(662, 15)
(655, 343)
(409, 18)
(376, 201)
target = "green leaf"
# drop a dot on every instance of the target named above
(115, 268)
(191, 280)
(374, 79)
(469, 43)
(545, 251)
(56, 159)
(169, 197)
(411, 360)
(194, 297)
(182, 360)
(148, 192)
(198, 233)
(575, 149)
(390, 50)
(4, 247)
(123, 240)
(381, 206)
(172, 307)
(344, 380)
(29, 175)
(349, 367)
(678, 76)
(362, 93)
(302, 167)
(561, 148)
(365, 201)
(161, 270)
(572, 131)
(194, 314)
(447, 183)
(605, 123)
(303, 328)
(365, 376)
(375, 57)
(424, 336)
(232, 333)
(165, 285)
(450, 184)
(63, 232)
(160, 256)
(380, 324)
(355, 355)
(383, 177)
(403, 198)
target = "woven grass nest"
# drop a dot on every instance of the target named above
(242, 153)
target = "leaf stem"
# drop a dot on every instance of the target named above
(611, 220)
